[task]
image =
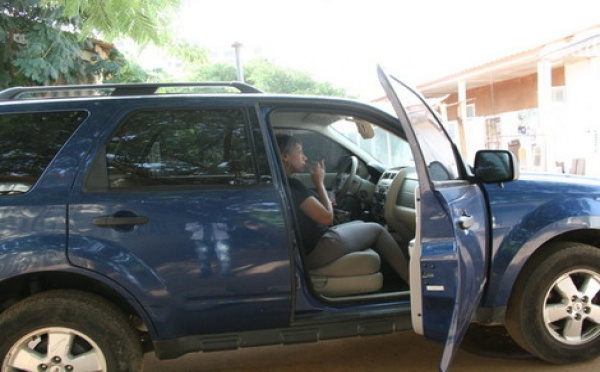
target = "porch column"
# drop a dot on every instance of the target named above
(544, 96)
(462, 115)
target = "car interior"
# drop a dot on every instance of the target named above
(370, 174)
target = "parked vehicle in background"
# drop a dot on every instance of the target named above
(133, 221)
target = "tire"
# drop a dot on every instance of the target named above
(554, 311)
(85, 333)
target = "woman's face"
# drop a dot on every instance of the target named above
(295, 159)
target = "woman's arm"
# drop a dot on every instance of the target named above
(321, 210)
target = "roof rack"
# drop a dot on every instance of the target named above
(113, 89)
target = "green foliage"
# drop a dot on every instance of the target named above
(46, 42)
(42, 41)
(188, 53)
(50, 54)
(268, 77)
(134, 73)
(141, 20)
(272, 78)
(214, 72)
(34, 47)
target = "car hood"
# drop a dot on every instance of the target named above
(560, 182)
(533, 191)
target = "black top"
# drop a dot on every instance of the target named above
(310, 230)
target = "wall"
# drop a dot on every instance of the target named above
(576, 134)
(569, 140)
(505, 96)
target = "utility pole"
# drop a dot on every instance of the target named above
(238, 63)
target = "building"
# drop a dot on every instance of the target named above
(543, 104)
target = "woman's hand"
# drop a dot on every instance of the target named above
(317, 172)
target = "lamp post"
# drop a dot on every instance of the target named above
(238, 64)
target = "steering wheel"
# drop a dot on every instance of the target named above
(343, 179)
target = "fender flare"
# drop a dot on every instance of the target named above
(503, 287)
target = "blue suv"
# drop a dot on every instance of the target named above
(156, 218)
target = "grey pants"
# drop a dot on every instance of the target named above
(355, 236)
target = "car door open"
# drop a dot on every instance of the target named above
(449, 259)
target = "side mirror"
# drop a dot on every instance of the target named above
(495, 166)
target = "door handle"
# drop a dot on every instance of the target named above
(465, 222)
(122, 220)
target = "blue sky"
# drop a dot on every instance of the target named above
(342, 41)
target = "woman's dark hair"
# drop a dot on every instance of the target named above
(285, 142)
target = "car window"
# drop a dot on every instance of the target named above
(206, 147)
(334, 136)
(29, 142)
(435, 145)
(317, 147)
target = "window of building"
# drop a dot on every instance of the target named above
(470, 111)
(558, 94)
(493, 133)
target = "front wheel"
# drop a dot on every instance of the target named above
(554, 312)
(67, 331)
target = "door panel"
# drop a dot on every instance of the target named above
(449, 261)
(203, 256)
(453, 262)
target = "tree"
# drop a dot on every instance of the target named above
(267, 76)
(132, 72)
(141, 20)
(213, 72)
(42, 41)
(272, 78)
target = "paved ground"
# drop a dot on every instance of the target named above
(400, 352)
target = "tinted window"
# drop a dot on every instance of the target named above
(182, 147)
(29, 142)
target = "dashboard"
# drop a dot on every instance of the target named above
(394, 200)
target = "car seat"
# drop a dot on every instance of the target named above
(352, 274)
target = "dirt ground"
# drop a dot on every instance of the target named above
(405, 351)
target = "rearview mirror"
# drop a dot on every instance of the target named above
(494, 166)
(364, 128)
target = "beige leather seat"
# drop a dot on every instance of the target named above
(354, 273)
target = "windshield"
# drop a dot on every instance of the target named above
(383, 146)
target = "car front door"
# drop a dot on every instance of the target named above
(449, 256)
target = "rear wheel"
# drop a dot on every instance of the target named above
(67, 331)
(554, 312)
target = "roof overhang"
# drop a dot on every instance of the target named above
(585, 44)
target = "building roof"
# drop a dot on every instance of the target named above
(583, 44)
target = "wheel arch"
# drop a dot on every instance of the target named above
(18, 288)
(515, 257)
(589, 237)
(523, 262)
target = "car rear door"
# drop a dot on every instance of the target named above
(178, 208)
(449, 256)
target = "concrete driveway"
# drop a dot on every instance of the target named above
(405, 351)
